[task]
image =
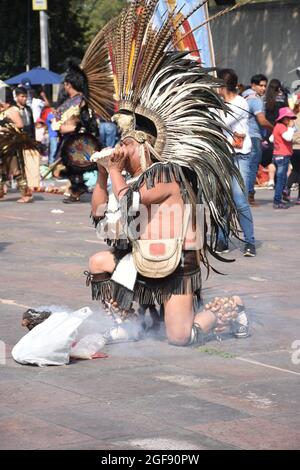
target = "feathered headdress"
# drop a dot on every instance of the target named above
(96, 67)
(137, 47)
(181, 102)
(13, 140)
(93, 77)
(173, 99)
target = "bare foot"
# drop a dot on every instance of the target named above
(25, 199)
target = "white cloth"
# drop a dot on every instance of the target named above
(125, 272)
(32, 168)
(289, 134)
(111, 225)
(237, 120)
(37, 105)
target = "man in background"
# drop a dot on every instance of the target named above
(25, 111)
(31, 157)
(257, 122)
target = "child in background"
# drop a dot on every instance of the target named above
(282, 137)
(295, 174)
(41, 135)
(48, 115)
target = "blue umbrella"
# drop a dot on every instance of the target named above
(36, 76)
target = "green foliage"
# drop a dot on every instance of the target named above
(66, 33)
(12, 37)
(72, 25)
(215, 352)
(94, 14)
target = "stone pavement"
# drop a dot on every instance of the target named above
(237, 394)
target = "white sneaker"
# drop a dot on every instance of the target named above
(122, 334)
(240, 326)
(270, 185)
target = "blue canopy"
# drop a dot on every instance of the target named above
(36, 76)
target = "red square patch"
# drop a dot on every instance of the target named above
(157, 249)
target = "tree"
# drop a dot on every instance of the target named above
(66, 35)
(72, 26)
(12, 38)
(95, 14)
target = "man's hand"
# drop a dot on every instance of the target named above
(118, 159)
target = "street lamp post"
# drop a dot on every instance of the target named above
(42, 6)
(28, 35)
(44, 39)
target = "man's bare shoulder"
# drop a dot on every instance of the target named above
(159, 193)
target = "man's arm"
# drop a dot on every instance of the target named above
(263, 122)
(15, 117)
(100, 195)
(118, 182)
(155, 195)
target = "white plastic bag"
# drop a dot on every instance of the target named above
(88, 346)
(50, 342)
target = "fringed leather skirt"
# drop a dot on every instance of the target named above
(186, 279)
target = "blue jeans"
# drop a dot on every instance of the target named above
(241, 200)
(282, 165)
(255, 160)
(108, 134)
(52, 149)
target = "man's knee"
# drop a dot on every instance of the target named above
(97, 262)
(179, 339)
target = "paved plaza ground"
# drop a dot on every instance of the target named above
(237, 394)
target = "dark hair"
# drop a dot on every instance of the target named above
(37, 90)
(77, 78)
(273, 90)
(20, 90)
(230, 78)
(62, 96)
(241, 88)
(88, 121)
(256, 79)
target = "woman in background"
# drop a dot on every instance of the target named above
(275, 99)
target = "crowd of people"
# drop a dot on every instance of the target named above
(28, 109)
(261, 128)
(272, 108)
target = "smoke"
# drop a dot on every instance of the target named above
(100, 323)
